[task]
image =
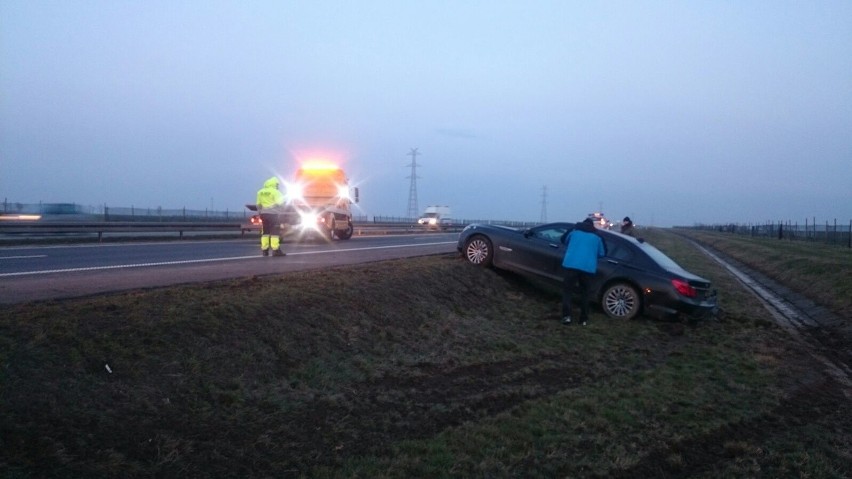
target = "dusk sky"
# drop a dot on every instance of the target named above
(671, 112)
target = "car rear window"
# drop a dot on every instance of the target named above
(618, 250)
(659, 257)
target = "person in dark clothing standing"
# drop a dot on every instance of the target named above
(579, 265)
(627, 227)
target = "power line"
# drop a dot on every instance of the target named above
(413, 209)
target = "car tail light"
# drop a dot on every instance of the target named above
(684, 288)
(255, 220)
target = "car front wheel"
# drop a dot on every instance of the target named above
(347, 233)
(621, 301)
(478, 251)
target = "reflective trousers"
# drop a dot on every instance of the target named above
(270, 232)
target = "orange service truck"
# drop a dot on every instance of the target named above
(319, 200)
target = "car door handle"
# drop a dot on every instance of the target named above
(554, 245)
(612, 261)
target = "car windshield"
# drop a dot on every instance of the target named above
(658, 256)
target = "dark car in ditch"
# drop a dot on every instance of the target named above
(633, 278)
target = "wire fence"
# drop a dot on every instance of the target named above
(833, 233)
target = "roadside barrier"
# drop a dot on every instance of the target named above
(100, 229)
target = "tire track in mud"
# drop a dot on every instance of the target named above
(701, 454)
(376, 414)
(824, 333)
(371, 416)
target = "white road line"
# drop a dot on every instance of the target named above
(24, 257)
(210, 260)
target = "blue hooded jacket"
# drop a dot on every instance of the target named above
(584, 248)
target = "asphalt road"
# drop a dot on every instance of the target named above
(37, 273)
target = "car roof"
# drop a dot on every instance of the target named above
(657, 256)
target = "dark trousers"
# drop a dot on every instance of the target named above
(270, 224)
(574, 280)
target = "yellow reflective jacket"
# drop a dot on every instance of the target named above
(269, 196)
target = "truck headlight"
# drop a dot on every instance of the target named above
(309, 219)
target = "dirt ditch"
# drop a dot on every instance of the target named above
(825, 333)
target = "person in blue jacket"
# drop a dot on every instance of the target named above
(579, 265)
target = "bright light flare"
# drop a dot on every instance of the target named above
(343, 192)
(294, 191)
(319, 165)
(310, 220)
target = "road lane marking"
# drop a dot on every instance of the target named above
(25, 257)
(210, 260)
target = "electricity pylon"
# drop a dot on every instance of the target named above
(413, 209)
(544, 204)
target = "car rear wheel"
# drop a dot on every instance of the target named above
(621, 301)
(478, 251)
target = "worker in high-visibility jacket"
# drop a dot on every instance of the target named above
(270, 233)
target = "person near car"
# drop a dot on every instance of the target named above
(270, 233)
(627, 227)
(579, 265)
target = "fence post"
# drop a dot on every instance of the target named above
(825, 240)
(834, 232)
(780, 230)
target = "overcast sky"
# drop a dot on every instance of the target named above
(673, 113)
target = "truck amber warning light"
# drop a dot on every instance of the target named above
(318, 166)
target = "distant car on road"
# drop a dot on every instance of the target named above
(436, 217)
(634, 278)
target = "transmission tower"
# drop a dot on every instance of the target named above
(413, 209)
(544, 204)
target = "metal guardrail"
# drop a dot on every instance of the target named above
(17, 229)
(48, 228)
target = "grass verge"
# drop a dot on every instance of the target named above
(416, 368)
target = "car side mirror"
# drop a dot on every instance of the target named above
(527, 233)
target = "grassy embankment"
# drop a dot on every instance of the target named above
(417, 368)
(820, 271)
